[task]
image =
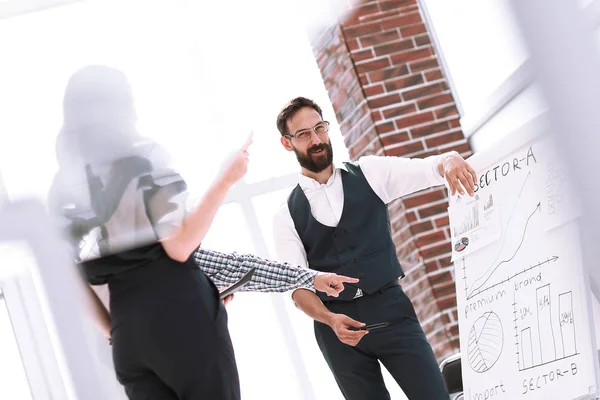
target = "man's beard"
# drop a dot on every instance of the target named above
(315, 164)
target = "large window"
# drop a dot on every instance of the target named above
(483, 52)
(480, 45)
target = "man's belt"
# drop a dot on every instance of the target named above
(360, 293)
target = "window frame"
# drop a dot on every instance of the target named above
(54, 369)
(242, 194)
(33, 339)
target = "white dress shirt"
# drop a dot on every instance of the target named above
(389, 177)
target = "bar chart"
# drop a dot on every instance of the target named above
(470, 221)
(545, 332)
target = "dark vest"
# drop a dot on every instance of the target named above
(360, 246)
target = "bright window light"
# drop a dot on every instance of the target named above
(481, 45)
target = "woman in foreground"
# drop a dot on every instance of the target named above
(124, 212)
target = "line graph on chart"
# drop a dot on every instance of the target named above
(514, 234)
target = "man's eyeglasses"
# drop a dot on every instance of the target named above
(304, 135)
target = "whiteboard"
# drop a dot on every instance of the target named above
(526, 328)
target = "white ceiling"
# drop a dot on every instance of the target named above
(12, 8)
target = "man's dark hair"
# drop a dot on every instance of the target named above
(291, 109)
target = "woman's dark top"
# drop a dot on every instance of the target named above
(114, 214)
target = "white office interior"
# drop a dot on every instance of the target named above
(48, 350)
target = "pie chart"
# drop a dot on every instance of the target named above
(486, 340)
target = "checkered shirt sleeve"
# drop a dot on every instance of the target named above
(227, 268)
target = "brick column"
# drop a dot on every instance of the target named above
(392, 98)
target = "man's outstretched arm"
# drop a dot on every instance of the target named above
(269, 276)
(393, 177)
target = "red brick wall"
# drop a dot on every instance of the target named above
(391, 98)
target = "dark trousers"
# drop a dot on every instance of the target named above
(169, 334)
(401, 347)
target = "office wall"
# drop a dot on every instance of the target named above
(494, 85)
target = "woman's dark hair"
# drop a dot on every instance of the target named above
(98, 116)
(97, 94)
